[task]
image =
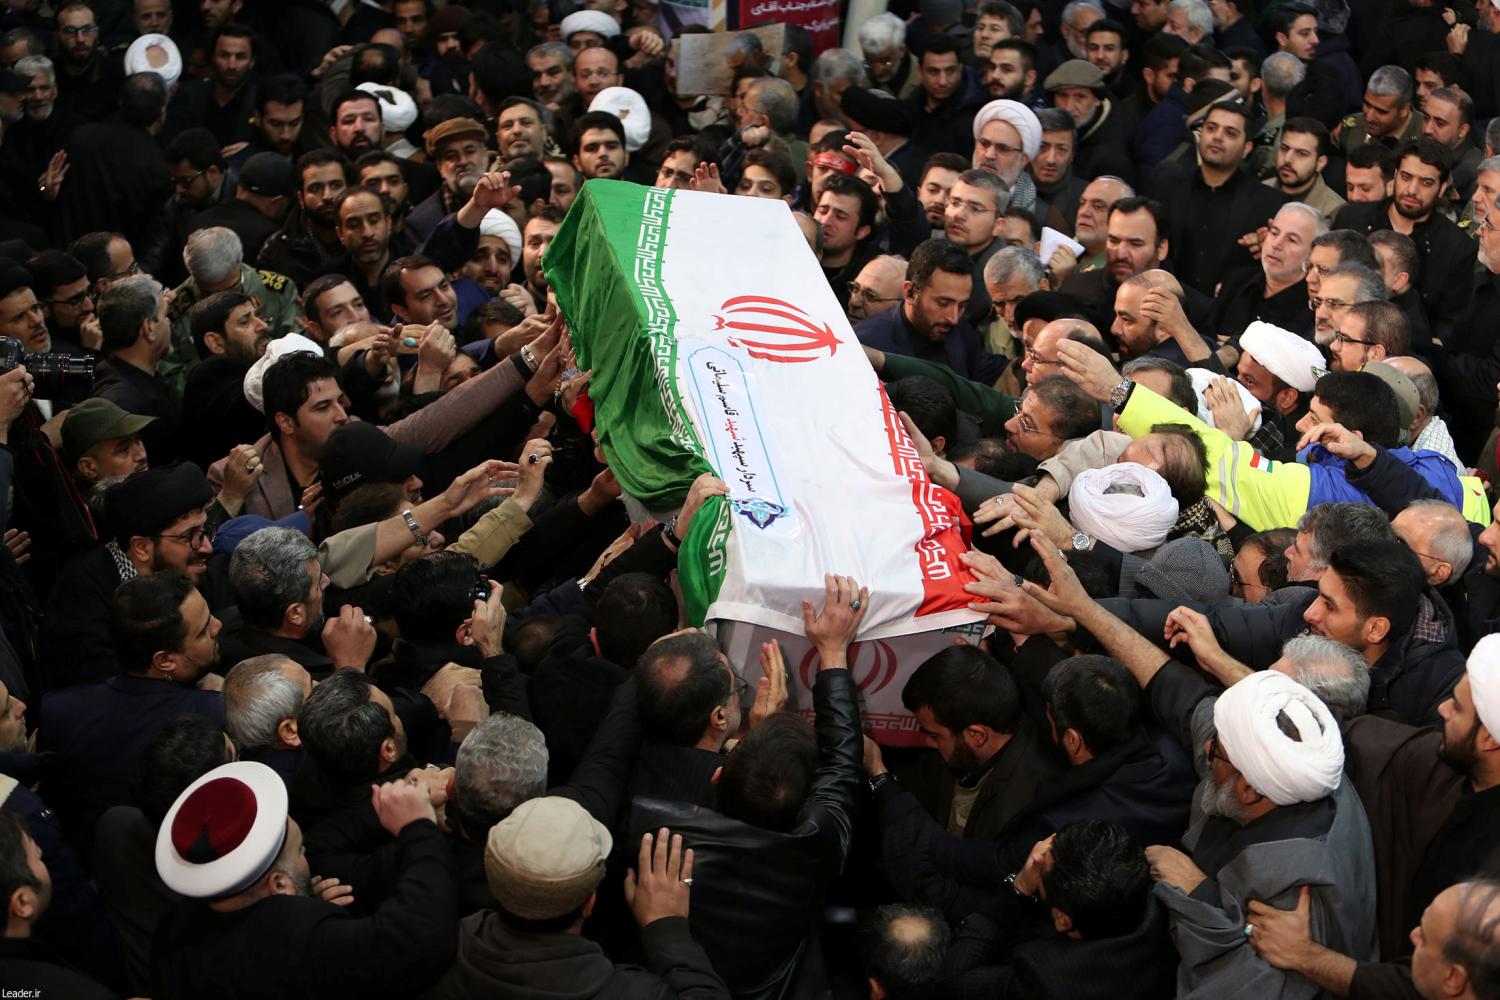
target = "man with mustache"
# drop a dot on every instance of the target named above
(156, 522)
(307, 245)
(364, 228)
(460, 148)
(1300, 158)
(1413, 209)
(600, 150)
(1275, 290)
(225, 102)
(1213, 206)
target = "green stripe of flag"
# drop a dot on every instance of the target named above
(605, 266)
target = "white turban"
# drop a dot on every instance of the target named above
(1130, 519)
(292, 343)
(167, 62)
(1203, 378)
(1022, 118)
(596, 21)
(1283, 769)
(497, 223)
(1284, 354)
(1484, 681)
(630, 107)
(397, 109)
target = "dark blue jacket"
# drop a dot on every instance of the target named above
(890, 332)
(94, 733)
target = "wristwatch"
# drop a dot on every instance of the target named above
(414, 527)
(1120, 393)
(880, 780)
(1082, 541)
(670, 533)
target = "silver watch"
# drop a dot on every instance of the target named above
(1082, 541)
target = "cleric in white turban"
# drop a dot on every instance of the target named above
(1292, 359)
(1127, 506)
(1019, 117)
(1274, 812)
(496, 224)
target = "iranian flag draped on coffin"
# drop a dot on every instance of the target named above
(717, 346)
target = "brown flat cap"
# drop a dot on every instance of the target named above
(454, 128)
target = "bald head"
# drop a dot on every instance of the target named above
(1439, 536)
(1458, 942)
(1042, 359)
(1157, 278)
(1427, 388)
(877, 287)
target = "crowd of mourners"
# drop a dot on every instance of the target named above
(334, 663)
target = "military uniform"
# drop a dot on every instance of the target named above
(1262, 158)
(1319, 197)
(1353, 134)
(276, 303)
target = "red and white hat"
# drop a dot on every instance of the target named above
(223, 832)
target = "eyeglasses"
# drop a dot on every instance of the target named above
(192, 538)
(73, 301)
(868, 294)
(1026, 422)
(1314, 303)
(1308, 267)
(1236, 580)
(998, 148)
(1036, 359)
(182, 183)
(1427, 555)
(1216, 751)
(74, 30)
(131, 270)
(1340, 337)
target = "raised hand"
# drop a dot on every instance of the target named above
(833, 628)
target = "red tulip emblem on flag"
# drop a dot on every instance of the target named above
(775, 330)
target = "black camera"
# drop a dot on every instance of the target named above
(53, 373)
(481, 589)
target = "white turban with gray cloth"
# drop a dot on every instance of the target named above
(1284, 354)
(1020, 117)
(1484, 682)
(1127, 506)
(1285, 769)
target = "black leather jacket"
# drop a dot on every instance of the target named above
(758, 894)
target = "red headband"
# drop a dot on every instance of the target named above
(834, 161)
